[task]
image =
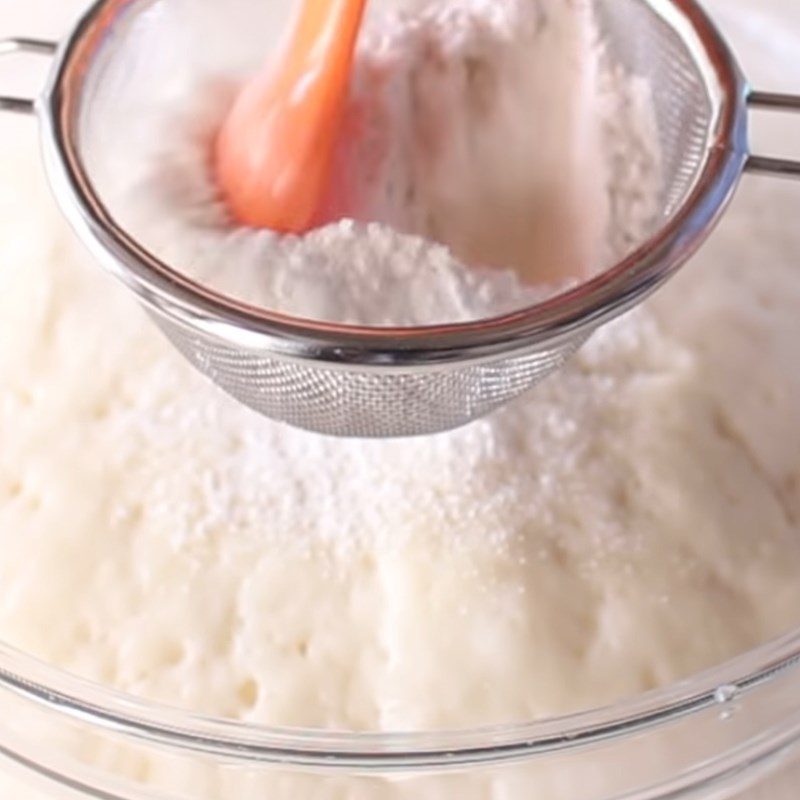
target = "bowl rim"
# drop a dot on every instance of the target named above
(105, 708)
(573, 313)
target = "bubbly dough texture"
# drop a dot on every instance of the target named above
(539, 562)
(202, 555)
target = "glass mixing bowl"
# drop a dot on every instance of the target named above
(732, 732)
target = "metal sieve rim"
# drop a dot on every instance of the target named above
(237, 324)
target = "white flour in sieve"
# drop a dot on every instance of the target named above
(489, 155)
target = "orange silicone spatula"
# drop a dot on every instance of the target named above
(274, 151)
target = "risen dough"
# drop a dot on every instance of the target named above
(201, 555)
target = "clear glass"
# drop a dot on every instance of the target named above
(733, 733)
(711, 738)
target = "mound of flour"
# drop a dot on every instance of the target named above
(478, 171)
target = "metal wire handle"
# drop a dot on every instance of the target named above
(23, 105)
(765, 165)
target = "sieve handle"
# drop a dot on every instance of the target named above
(23, 105)
(764, 165)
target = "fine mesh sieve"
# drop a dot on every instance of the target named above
(380, 382)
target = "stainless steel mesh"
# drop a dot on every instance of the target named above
(654, 39)
(366, 403)
(645, 44)
(369, 403)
